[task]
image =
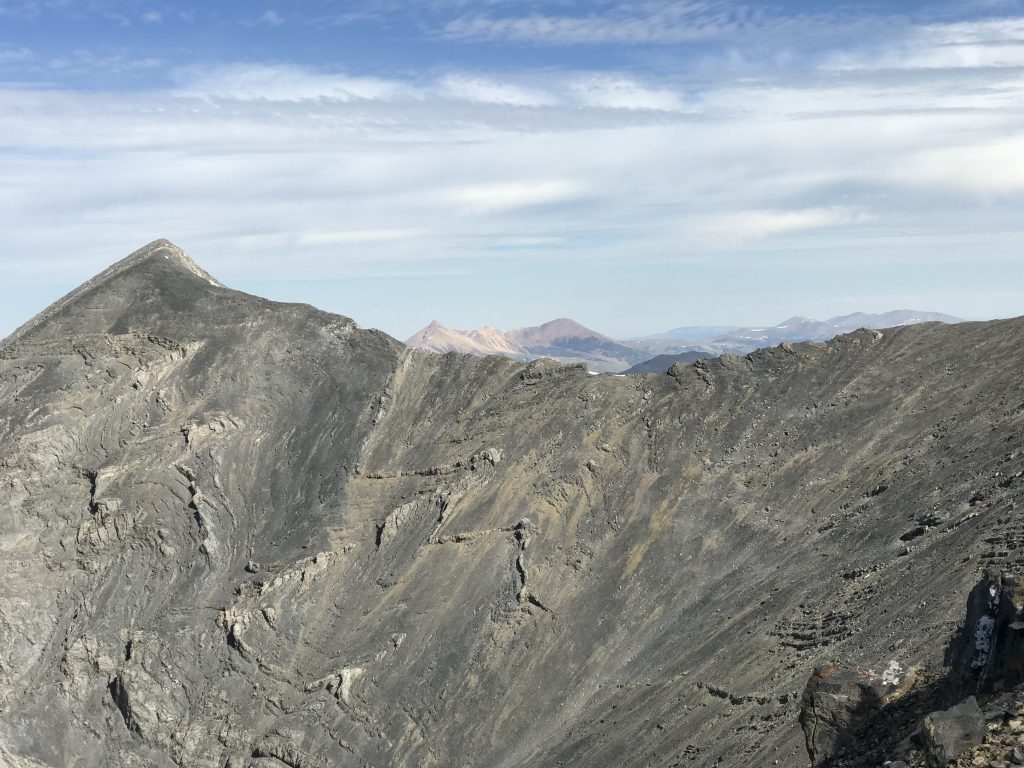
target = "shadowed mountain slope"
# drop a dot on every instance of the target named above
(243, 533)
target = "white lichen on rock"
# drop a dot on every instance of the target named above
(891, 675)
(983, 631)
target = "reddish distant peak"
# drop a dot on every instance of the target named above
(562, 328)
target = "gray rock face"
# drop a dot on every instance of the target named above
(242, 533)
(837, 703)
(855, 718)
(989, 653)
(848, 712)
(947, 735)
(662, 363)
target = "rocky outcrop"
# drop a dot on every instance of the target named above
(237, 532)
(840, 702)
(852, 717)
(948, 734)
(988, 654)
(1003, 738)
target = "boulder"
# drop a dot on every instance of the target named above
(947, 735)
(839, 700)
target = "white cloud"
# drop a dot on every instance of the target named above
(30, 9)
(281, 83)
(15, 55)
(618, 92)
(639, 22)
(152, 17)
(993, 167)
(486, 90)
(963, 45)
(501, 197)
(737, 228)
(655, 21)
(272, 18)
(1004, 30)
(86, 61)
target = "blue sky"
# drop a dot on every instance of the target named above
(637, 165)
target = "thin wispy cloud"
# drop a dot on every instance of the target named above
(85, 61)
(622, 92)
(738, 228)
(30, 9)
(272, 18)
(497, 198)
(282, 83)
(290, 83)
(488, 90)
(964, 45)
(668, 25)
(648, 22)
(9, 55)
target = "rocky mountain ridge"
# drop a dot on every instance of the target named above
(682, 346)
(243, 533)
(662, 363)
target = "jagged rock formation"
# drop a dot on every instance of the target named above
(662, 363)
(242, 533)
(988, 655)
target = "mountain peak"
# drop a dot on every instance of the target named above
(796, 320)
(153, 253)
(560, 328)
(154, 250)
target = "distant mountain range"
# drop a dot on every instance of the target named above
(567, 340)
(741, 341)
(562, 339)
(686, 332)
(809, 329)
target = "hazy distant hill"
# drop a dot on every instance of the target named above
(687, 332)
(740, 341)
(810, 329)
(562, 339)
(484, 341)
